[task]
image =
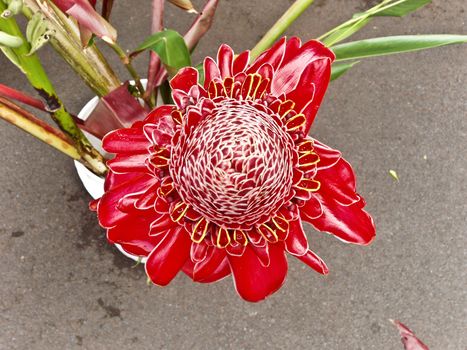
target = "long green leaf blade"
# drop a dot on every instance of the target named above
(403, 8)
(171, 49)
(397, 8)
(393, 44)
(345, 32)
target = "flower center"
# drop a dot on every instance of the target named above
(235, 167)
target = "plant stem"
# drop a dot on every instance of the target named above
(38, 78)
(88, 63)
(280, 26)
(198, 29)
(12, 94)
(127, 63)
(154, 60)
(37, 128)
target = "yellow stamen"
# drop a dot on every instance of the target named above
(179, 209)
(202, 225)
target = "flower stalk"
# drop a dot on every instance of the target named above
(126, 60)
(280, 27)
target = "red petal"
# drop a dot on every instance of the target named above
(273, 56)
(113, 179)
(185, 79)
(304, 92)
(320, 75)
(291, 68)
(208, 266)
(253, 281)
(314, 261)
(262, 253)
(312, 209)
(349, 223)
(133, 231)
(162, 224)
(241, 62)
(292, 48)
(107, 210)
(198, 251)
(266, 71)
(296, 242)
(131, 140)
(134, 250)
(158, 114)
(211, 71)
(222, 270)
(327, 156)
(126, 163)
(338, 182)
(181, 99)
(224, 60)
(166, 260)
(410, 341)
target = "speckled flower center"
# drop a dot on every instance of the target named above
(235, 168)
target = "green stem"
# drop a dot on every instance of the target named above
(366, 14)
(88, 63)
(127, 63)
(38, 78)
(280, 26)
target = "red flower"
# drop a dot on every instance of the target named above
(221, 181)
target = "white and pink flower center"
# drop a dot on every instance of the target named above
(235, 166)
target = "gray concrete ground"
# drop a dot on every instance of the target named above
(63, 287)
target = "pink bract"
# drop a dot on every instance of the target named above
(220, 182)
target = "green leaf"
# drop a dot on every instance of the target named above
(338, 69)
(393, 44)
(360, 19)
(171, 49)
(346, 31)
(200, 68)
(403, 8)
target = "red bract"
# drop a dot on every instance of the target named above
(221, 181)
(90, 22)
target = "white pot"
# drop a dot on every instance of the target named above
(94, 184)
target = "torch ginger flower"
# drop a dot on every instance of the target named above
(221, 182)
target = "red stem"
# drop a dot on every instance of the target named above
(197, 30)
(34, 119)
(201, 24)
(20, 96)
(154, 61)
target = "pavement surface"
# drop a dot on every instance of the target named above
(63, 287)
